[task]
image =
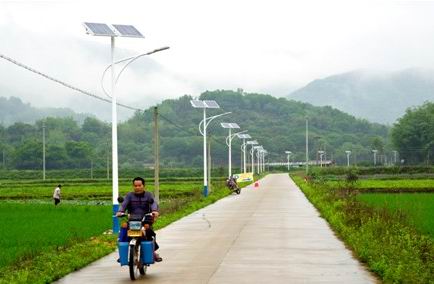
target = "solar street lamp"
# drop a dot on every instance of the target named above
(258, 149)
(113, 31)
(288, 154)
(348, 158)
(321, 153)
(264, 152)
(253, 143)
(243, 147)
(375, 156)
(202, 129)
(229, 138)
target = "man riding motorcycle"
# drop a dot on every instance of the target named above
(139, 203)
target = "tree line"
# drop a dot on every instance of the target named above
(277, 123)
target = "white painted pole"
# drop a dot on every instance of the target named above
(307, 146)
(230, 153)
(115, 178)
(205, 178)
(43, 150)
(253, 160)
(244, 155)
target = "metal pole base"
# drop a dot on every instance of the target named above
(115, 219)
(205, 190)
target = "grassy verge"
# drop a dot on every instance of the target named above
(391, 248)
(54, 263)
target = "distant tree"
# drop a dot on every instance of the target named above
(28, 155)
(79, 153)
(413, 134)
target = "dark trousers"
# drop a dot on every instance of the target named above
(56, 201)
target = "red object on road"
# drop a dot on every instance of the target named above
(256, 184)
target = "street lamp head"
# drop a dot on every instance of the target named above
(348, 152)
(252, 142)
(288, 152)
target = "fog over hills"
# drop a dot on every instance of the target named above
(377, 97)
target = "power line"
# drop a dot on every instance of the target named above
(62, 83)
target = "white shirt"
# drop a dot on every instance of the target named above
(56, 193)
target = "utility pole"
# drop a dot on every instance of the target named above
(307, 146)
(4, 159)
(43, 149)
(108, 160)
(91, 169)
(156, 157)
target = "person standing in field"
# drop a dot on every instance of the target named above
(56, 194)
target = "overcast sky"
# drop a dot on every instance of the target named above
(268, 46)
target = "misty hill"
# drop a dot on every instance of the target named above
(14, 110)
(377, 97)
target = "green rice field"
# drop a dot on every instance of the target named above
(89, 190)
(29, 229)
(417, 207)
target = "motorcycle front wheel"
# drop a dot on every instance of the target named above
(135, 265)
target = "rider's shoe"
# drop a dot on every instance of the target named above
(157, 258)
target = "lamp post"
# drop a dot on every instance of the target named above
(263, 152)
(258, 149)
(253, 143)
(229, 138)
(202, 129)
(375, 156)
(307, 146)
(348, 158)
(321, 153)
(395, 154)
(288, 153)
(113, 31)
(243, 148)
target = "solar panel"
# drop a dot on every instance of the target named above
(244, 136)
(211, 104)
(229, 125)
(127, 31)
(197, 104)
(98, 29)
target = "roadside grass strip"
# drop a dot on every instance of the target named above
(383, 239)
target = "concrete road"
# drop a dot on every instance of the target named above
(270, 234)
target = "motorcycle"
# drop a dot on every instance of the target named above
(138, 252)
(233, 186)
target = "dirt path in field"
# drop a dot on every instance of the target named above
(270, 234)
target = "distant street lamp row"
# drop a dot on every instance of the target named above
(260, 151)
